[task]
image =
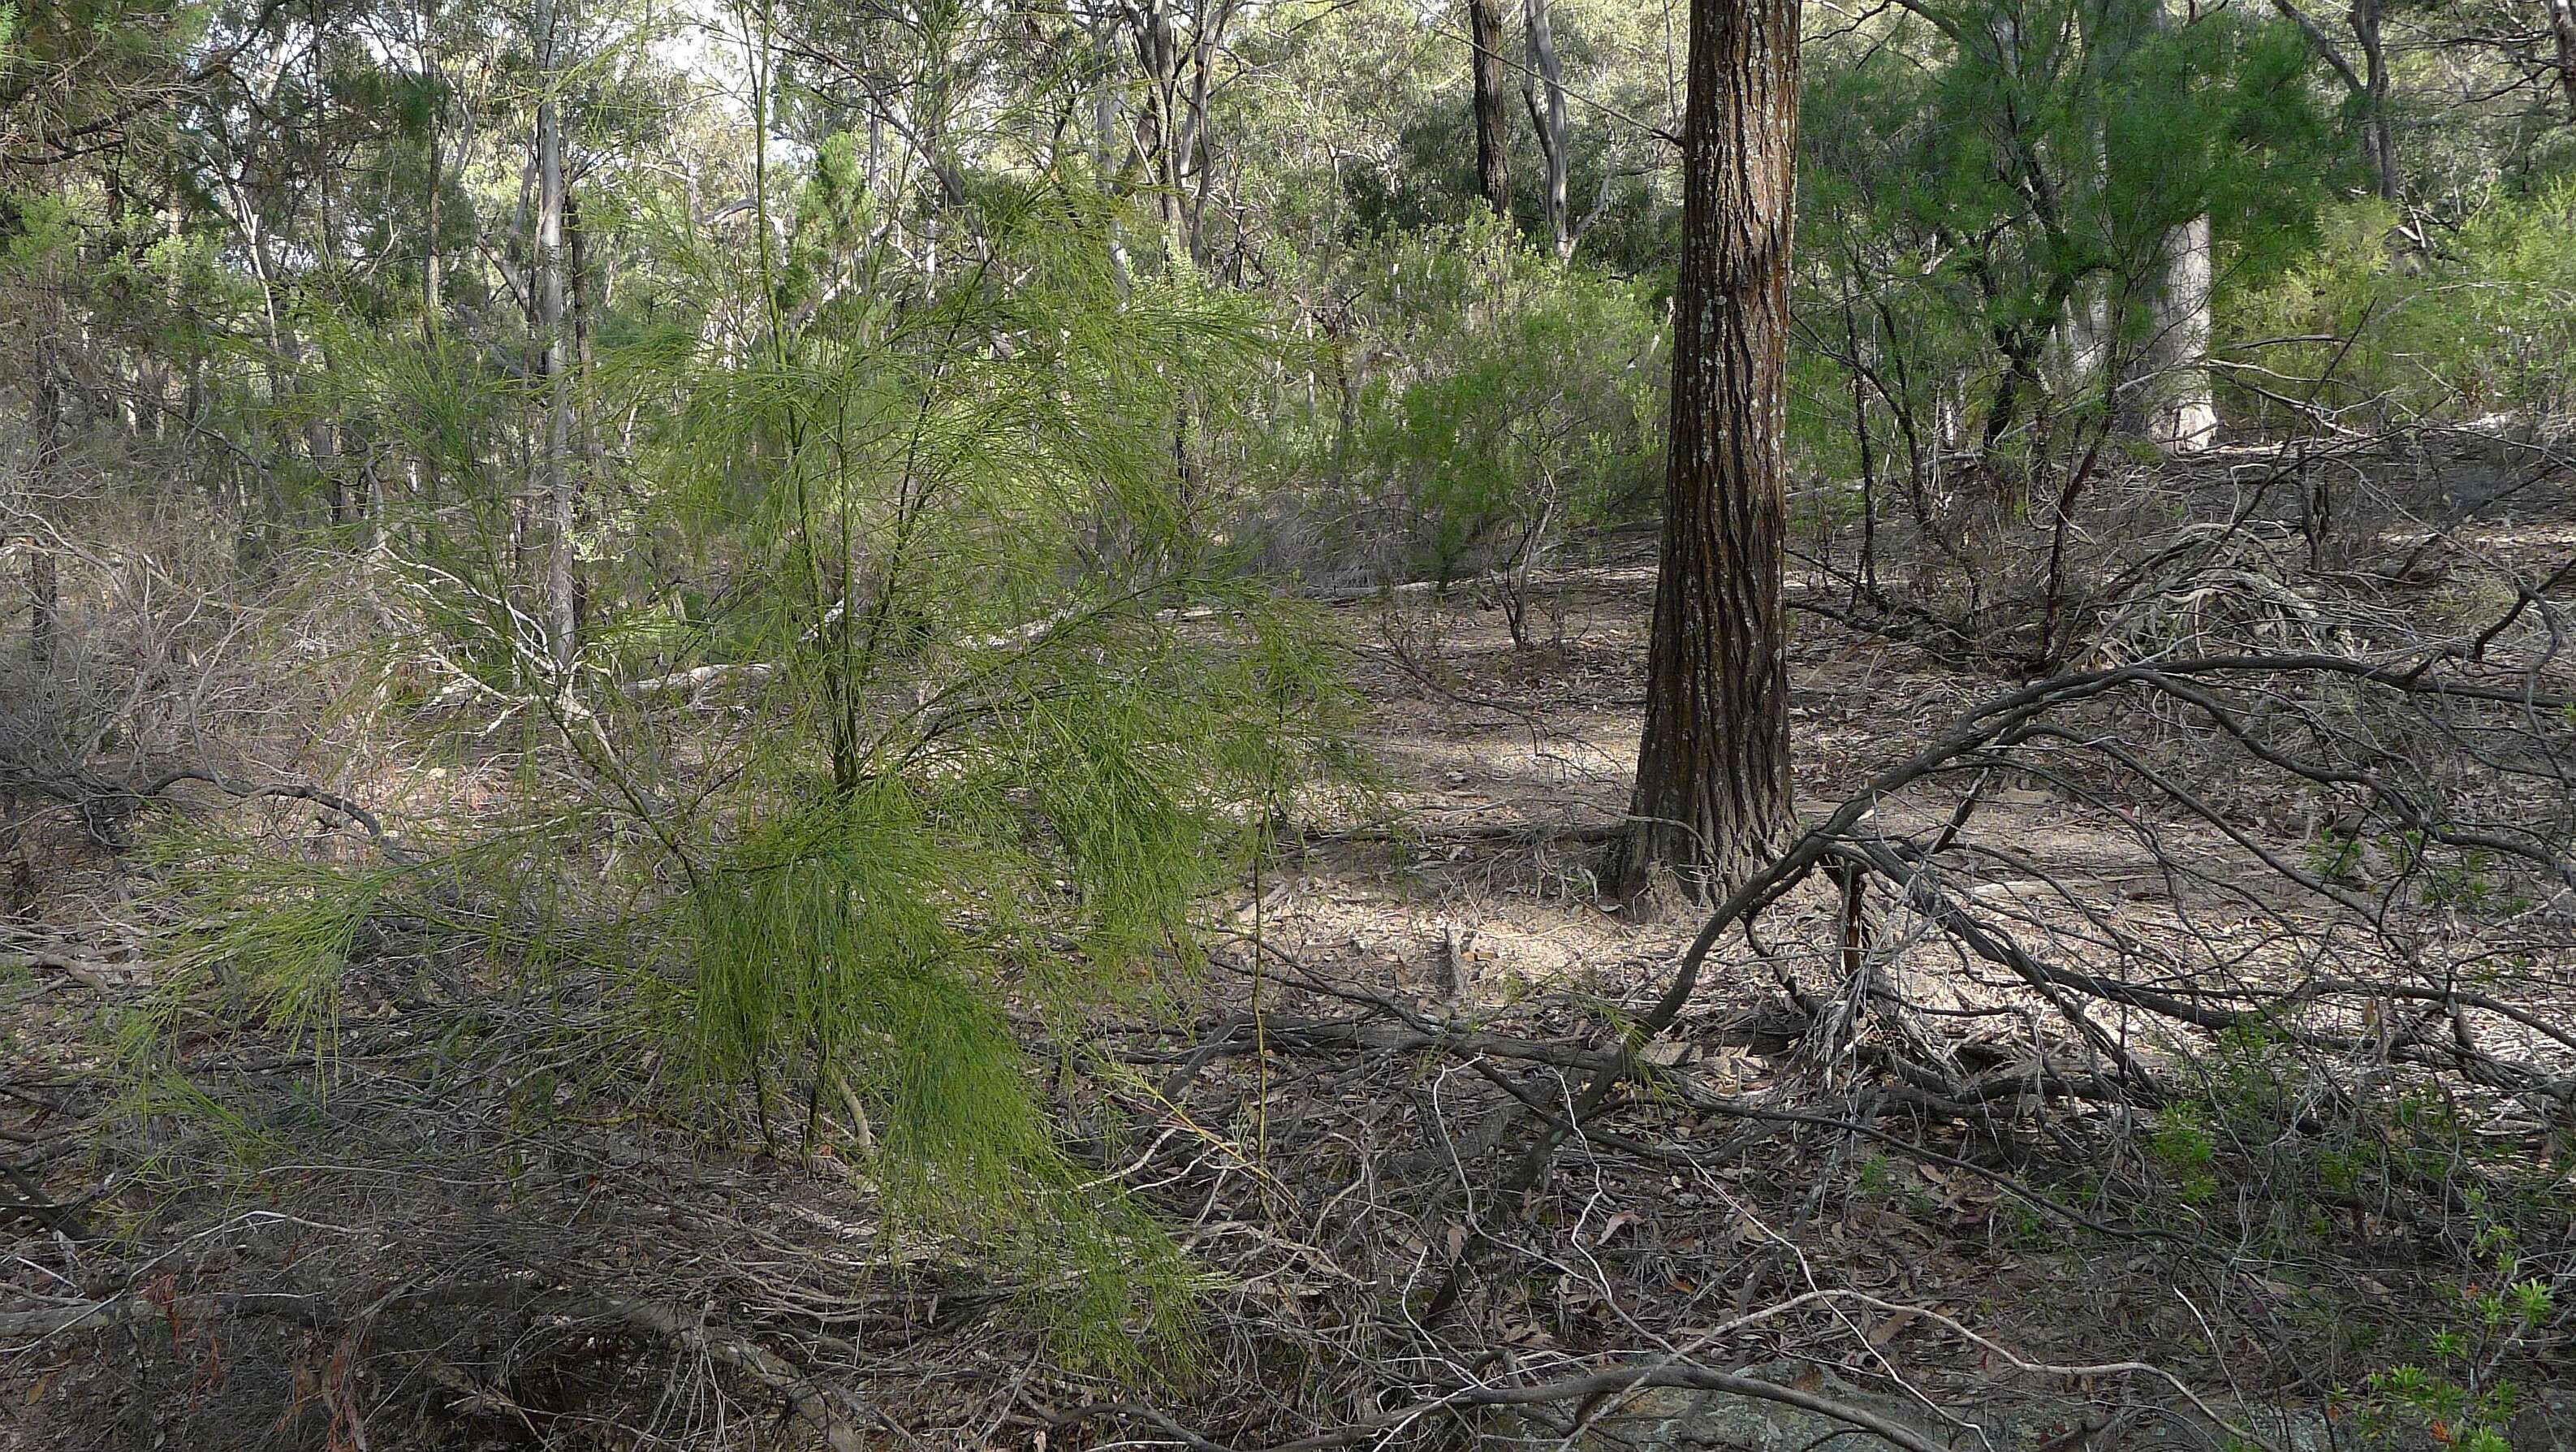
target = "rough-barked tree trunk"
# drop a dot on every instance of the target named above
(2562, 25)
(1493, 122)
(1712, 793)
(1543, 90)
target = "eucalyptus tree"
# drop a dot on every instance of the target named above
(2362, 66)
(1180, 50)
(1486, 53)
(1712, 795)
(2562, 34)
(1543, 90)
(2027, 208)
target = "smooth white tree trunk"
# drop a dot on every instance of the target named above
(2182, 414)
(1543, 88)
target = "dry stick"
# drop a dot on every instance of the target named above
(1427, 1032)
(1613, 1382)
(1737, 1108)
(1758, 892)
(803, 1395)
(1894, 1309)
(1315, 1035)
(1661, 1154)
(2048, 642)
(1992, 721)
(2046, 979)
(2450, 998)
(52, 1214)
(296, 791)
(2526, 596)
(2411, 813)
(305, 1310)
(2549, 470)
(2042, 976)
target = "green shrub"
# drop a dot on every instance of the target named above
(2484, 324)
(999, 722)
(1510, 398)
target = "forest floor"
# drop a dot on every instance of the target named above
(1502, 760)
(406, 1233)
(1505, 762)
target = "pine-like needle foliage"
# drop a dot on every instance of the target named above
(954, 715)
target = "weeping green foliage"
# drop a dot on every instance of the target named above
(822, 948)
(273, 933)
(868, 946)
(958, 714)
(816, 922)
(1022, 726)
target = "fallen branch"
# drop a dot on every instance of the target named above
(815, 1404)
(1592, 1389)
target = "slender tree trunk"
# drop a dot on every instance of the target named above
(1104, 103)
(1866, 585)
(415, 475)
(44, 582)
(1543, 88)
(2562, 25)
(1158, 52)
(1350, 372)
(581, 287)
(1194, 165)
(429, 259)
(152, 373)
(2184, 415)
(1493, 122)
(1712, 795)
(322, 446)
(2368, 82)
(1108, 162)
(554, 488)
(2381, 128)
